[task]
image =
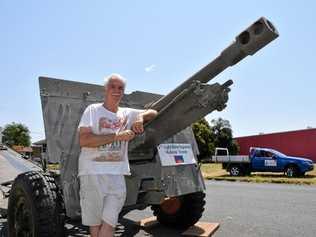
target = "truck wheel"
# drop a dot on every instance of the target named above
(248, 172)
(291, 171)
(35, 207)
(235, 170)
(180, 212)
(302, 174)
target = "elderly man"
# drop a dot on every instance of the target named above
(104, 132)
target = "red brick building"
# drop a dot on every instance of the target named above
(300, 143)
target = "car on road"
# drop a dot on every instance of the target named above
(3, 147)
(26, 157)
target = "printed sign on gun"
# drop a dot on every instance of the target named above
(176, 154)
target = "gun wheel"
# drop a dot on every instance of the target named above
(180, 212)
(35, 207)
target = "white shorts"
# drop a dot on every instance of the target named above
(101, 198)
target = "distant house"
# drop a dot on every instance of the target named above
(39, 148)
(300, 143)
(23, 150)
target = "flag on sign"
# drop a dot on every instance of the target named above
(178, 159)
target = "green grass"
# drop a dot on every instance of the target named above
(53, 167)
(215, 172)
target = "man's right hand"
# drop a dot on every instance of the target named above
(125, 135)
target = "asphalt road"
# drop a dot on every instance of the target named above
(248, 210)
(245, 209)
(242, 209)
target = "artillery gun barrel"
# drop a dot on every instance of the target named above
(248, 42)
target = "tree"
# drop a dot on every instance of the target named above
(203, 135)
(16, 134)
(223, 135)
(218, 134)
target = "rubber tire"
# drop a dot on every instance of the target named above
(43, 202)
(3, 230)
(248, 172)
(235, 170)
(190, 211)
(302, 174)
(291, 171)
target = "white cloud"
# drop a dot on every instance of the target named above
(150, 68)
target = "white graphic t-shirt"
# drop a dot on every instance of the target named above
(110, 158)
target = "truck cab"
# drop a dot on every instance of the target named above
(265, 160)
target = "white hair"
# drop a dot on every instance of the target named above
(114, 76)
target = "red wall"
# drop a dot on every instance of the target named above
(300, 143)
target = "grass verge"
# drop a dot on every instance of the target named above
(215, 172)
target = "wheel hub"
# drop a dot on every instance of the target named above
(171, 205)
(235, 171)
(290, 172)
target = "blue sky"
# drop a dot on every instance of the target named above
(156, 45)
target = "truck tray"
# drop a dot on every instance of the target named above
(230, 159)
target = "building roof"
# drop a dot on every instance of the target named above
(277, 133)
(20, 149)
(40, 142)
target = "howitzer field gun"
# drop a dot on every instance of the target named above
(164, 170)
(194, 99)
